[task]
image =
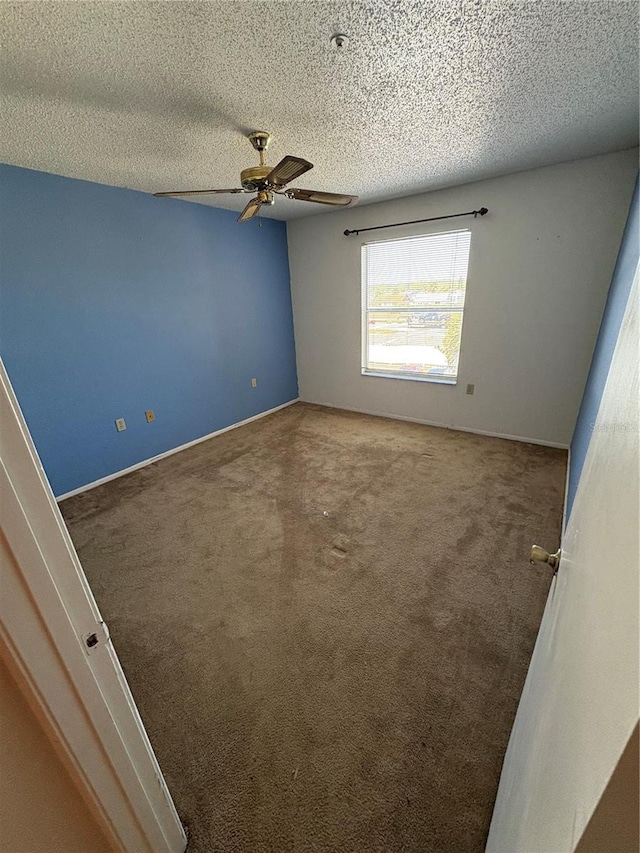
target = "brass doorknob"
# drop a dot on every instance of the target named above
(540, 556)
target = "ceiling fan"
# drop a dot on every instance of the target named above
(267, 181)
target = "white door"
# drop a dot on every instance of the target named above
(53, 635)
(580, 700)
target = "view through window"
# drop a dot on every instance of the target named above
(413, 303)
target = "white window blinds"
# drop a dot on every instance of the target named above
(413, 301)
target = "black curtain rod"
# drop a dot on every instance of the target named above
(473, 213)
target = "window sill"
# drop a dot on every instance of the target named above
(438, 380)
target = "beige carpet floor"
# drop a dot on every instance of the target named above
(326, 620)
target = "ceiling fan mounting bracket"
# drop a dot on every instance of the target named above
(260, 140)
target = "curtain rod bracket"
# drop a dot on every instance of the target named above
(475, 213)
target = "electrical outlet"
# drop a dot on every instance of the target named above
(121, 424)
(471, 388)
(254, 383)
(149, 415)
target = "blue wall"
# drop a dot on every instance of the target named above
(113, 302)
(607, 337)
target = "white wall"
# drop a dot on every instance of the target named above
(541, 263)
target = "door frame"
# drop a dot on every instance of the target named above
(78, 691)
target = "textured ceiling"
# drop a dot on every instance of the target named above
(157, 95)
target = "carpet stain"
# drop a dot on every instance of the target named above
(326, 621)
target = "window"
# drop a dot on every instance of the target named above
(413, 301)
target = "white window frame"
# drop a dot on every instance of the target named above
(398, 374)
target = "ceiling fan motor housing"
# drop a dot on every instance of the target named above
(253, 178)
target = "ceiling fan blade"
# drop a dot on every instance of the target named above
(250, 210)
(320, 197)
(288, 169)
(199, 192)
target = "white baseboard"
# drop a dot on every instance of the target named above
(164, 455)
(160, 456)
(522, 438)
